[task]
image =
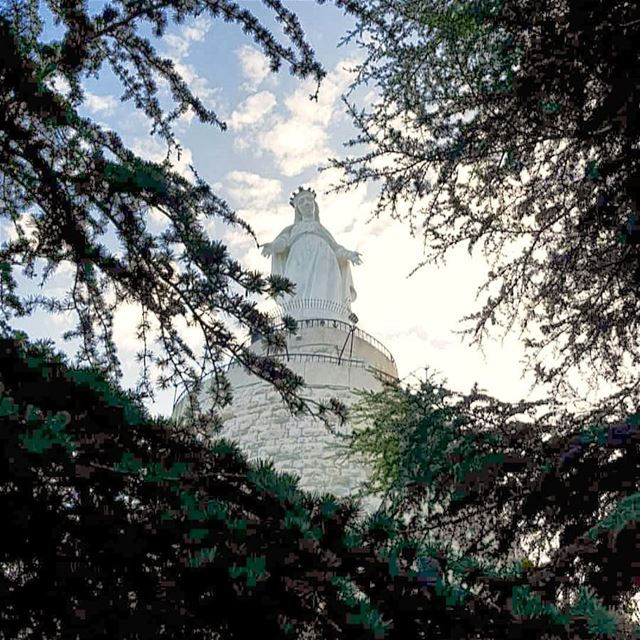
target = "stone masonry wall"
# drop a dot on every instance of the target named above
(263, 427)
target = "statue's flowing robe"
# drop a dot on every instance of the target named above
(311, 260)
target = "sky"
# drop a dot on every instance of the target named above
(277, 139)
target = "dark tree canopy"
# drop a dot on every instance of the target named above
(81, 184)
(121, 526)
(117, 526)
(513, 125)
(499, 484)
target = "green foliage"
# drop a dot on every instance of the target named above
(254, 569)
(198, 534)
(180, 509)
(365, 615)
(300, 520)
(328, 506)
(352, 539)
(156, 472)
(453, 595)
(383, 444)
(369, 618)
(50, 434)
(152, 506)
(625, 512)
(135, 177)
(419, 436)
(228, 450)
(88, 196)
(592, 169)
(128, 464)
(283, 486)
(380, 523)
(550, 107)
(529, 605)
(454, 22)
(8, 407)
(485, 494)
(600, 621)
(203, 556)
(95, 380)
(217, 509)
(348, 592)
(494, 131)
(237, 525)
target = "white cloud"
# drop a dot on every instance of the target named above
(191, 334)
(243, 143)
(239, 242)
(65, 268)
(157, 216)
(296, 145)
(59, 83)
(185, 120)
(199, 85)
(254, 260)
(178, 47)
(28, 225)
(182, 163)
(254, 66)
(345, 214)
(64, 320)
(252, 110)
(100, 104)
(266, 221)
(197, 31)
(150, 149)
(260, 205)
(179, 44)
(322, 110)
(155, 150)
(125, 326)
(126, 319)
(300, 139)
(251, 190)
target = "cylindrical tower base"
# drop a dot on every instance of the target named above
(335, 361)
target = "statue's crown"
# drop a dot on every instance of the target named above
(299, 193)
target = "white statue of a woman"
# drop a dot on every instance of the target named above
(306, 253)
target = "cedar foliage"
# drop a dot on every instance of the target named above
(512, 126)
(120, 526)
(510, 484)
(78, 184)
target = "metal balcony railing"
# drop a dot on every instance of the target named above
(322, 357)
(307, 357)
(311, 357)
(342, 326)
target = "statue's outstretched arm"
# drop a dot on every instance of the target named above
(344, 255)
(279, 245)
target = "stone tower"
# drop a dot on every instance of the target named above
(333, 355)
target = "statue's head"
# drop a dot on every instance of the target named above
(304, 203)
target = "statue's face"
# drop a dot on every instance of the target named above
(306, 207)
